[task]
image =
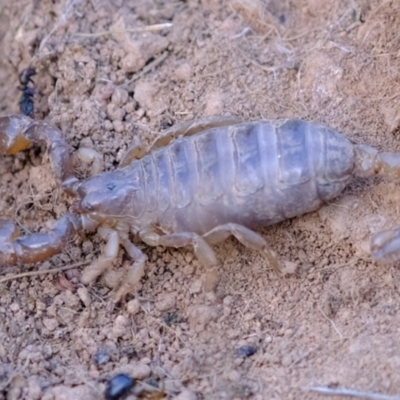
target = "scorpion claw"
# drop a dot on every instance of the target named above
(8, 233)
(19, 132)
(12, 134)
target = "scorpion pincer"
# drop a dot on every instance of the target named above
(217, 178)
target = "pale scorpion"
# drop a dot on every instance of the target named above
(217, 178)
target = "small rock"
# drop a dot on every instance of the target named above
(138, 370)
(102, 357)
(185, 395)
(228, 300)
(14, 307)
(50, 323)
(34, 389)
(120, 324)
(188, 269)
(118, 387)
(15, 387)
(196, 286)
(146, 95)
(84, 295)
(233, 375)
(133, 306)
(165, 301)
(119, 97)
(201, 315)
(118, 126)
(134, 60)
(246, 351)
(214, 104)
(81, 392)
(115, 113)
(249, 316)
(286, 360)
(183, 72)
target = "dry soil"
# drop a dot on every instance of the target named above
(108, 75)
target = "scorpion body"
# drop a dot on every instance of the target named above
(252, 174)
(195, 191)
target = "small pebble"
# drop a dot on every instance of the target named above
(84, 296)
(119, 97)
(133, 306)
(196, 286)
(34, 389)
(185, 395)
(138, 370)
(120, 326)
(246, 351)
(102, 357)
(115, 113)
(118, 387)
(14, 307)
(50, 323)
(165, 301)
(183, 72)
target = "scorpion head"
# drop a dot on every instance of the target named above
(107, 197)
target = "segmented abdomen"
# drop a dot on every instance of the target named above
(253, 174)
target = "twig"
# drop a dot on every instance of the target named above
(239, 35)
(147, 68)
(149, 28)
(351, 393)
(47, 271)
(57, 25)
(305, 355)
(337, 266)
(332, 323)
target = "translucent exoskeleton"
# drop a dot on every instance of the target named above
(200, 183)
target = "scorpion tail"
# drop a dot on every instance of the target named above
(37, 246)
(370, 161)
(385, 246)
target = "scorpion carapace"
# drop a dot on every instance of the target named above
(195, 191)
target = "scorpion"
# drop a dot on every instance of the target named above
(200, 183)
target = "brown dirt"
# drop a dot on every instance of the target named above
(336, 323)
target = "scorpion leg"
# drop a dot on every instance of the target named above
(247, 237)
(110, 253)
(91, 156)
(202, 250)
(135, 273)
(204, 253)
(189, 128)
(36, 246)
(134, 152)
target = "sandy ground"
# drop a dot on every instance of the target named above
(335, 323)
